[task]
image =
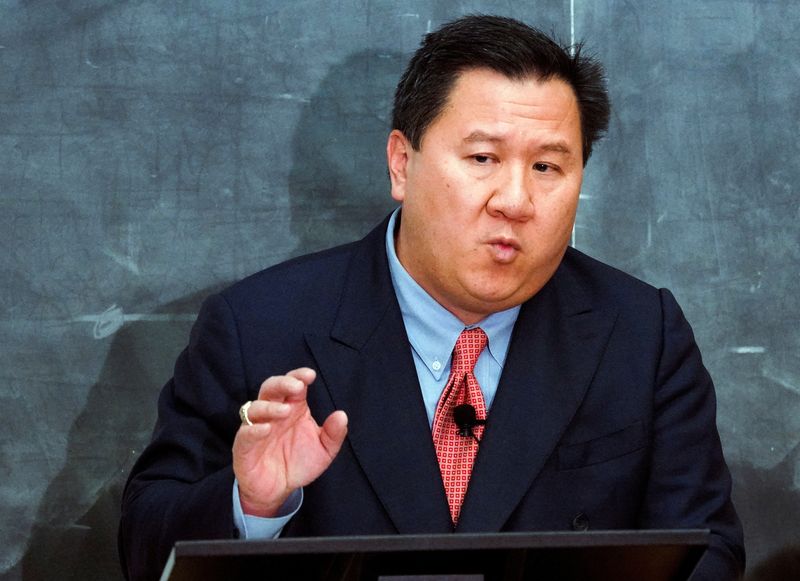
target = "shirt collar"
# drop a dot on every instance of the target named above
(433, 330)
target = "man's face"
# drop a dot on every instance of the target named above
(489, 200)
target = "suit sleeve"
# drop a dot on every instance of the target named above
(180, 488)
(689, 483)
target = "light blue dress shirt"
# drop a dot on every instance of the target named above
(432, 331)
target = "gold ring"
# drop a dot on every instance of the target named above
(243, 413)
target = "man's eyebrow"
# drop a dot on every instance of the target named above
(479, 136)
(557, 147)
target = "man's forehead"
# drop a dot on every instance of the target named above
(487, 107)
(485, 93)
(484, 84)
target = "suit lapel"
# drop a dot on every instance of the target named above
(556, 346)
(367, 366)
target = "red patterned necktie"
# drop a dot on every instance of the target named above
(457, 453)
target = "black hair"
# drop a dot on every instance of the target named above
(506, 46)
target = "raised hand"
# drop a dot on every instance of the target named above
(285, 448)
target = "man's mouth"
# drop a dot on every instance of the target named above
(504, 250)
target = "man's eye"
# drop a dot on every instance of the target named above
(541, 167)
(481, 159)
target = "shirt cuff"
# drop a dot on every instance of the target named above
(256, 527)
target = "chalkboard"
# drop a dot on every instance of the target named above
(153, 152)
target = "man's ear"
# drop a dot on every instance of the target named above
(398, 149)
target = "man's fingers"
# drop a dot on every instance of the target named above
(291, 386)
(304, 374)
(333, 432)
(261, 411)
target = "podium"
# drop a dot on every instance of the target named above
(579, 556)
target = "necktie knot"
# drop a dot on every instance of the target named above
(470, 344)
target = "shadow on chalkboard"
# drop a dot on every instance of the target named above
(339, 190)
(338, 185)
(783, 564)
(74, 535)
(766, 503)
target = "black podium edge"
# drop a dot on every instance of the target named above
(461, 541)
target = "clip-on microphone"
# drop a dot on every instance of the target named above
(464, 417)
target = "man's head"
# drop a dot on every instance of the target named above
(486, 156)
(505, 46)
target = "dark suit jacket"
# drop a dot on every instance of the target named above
(604, 417)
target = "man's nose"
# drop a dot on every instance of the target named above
(513, 195)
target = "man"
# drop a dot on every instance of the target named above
(318, 397)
